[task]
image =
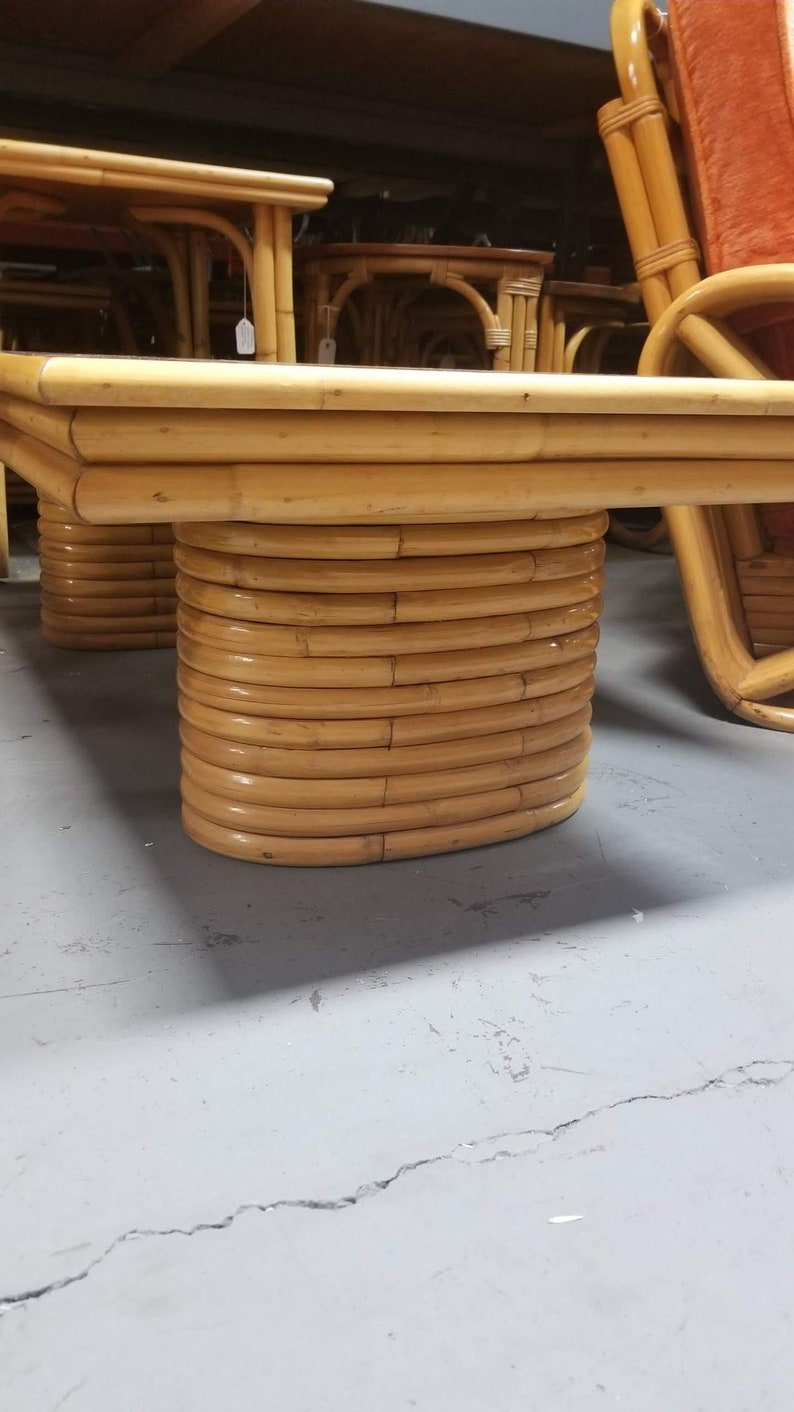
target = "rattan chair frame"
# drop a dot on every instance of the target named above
(727, 570)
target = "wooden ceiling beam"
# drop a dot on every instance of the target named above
(371, 126)
(183, 27)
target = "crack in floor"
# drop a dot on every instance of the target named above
(758, 1073)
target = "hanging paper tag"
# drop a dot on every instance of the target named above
(326, 353)
(244, 334)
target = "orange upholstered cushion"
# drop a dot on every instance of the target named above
(733, 70)
(735, 82)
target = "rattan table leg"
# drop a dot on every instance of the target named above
(350, 710)
(105, 587)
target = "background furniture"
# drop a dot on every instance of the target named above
(380, 287)
(117, 590)
(576, 322)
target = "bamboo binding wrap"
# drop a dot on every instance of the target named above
(350, 694)
(104, 587)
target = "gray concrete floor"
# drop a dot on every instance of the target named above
(509, 1129)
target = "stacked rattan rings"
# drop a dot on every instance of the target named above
(105, 587)
(351, 694)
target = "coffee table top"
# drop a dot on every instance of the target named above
(627, 295)
(96, 185)
(126, 441)
(76, 380)
(481, 253)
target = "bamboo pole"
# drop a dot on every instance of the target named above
(52, 473)
(164, 325)
(550, 668)
(771, 677)
(263, 291)
(334, 822)
(170, 249)
(160, 383)
(198, 257)
(50, 425)
(369, 848)
(282, 284)
(544, 362)
(318, 734)
(318, 494)
(67, 586)
(125, 333)
(127, 172)
(56, 525)
(136, 437)
(5, 558)
(413, 843)
(38, 294)
(93, 624)
(637, 80)
(242, 743)
(561, 746)
(394, 790)
(518, 330)
(629, 184)
(255, 762)
(206, 220)
(547, 574)
(87, 606)
(582, 533)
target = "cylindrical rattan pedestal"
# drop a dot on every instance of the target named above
(105, 587)
(357, 693)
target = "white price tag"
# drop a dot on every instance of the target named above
(244, 334)
(326, 353)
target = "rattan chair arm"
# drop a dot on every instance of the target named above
(711, 300)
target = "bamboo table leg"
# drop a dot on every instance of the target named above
(199, 292)
(352, 694)
(283, 288)
(5, 556)
(263, 294)
(517, 298)
(177, 267)
(5, 563)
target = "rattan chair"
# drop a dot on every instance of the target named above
(739, 586)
